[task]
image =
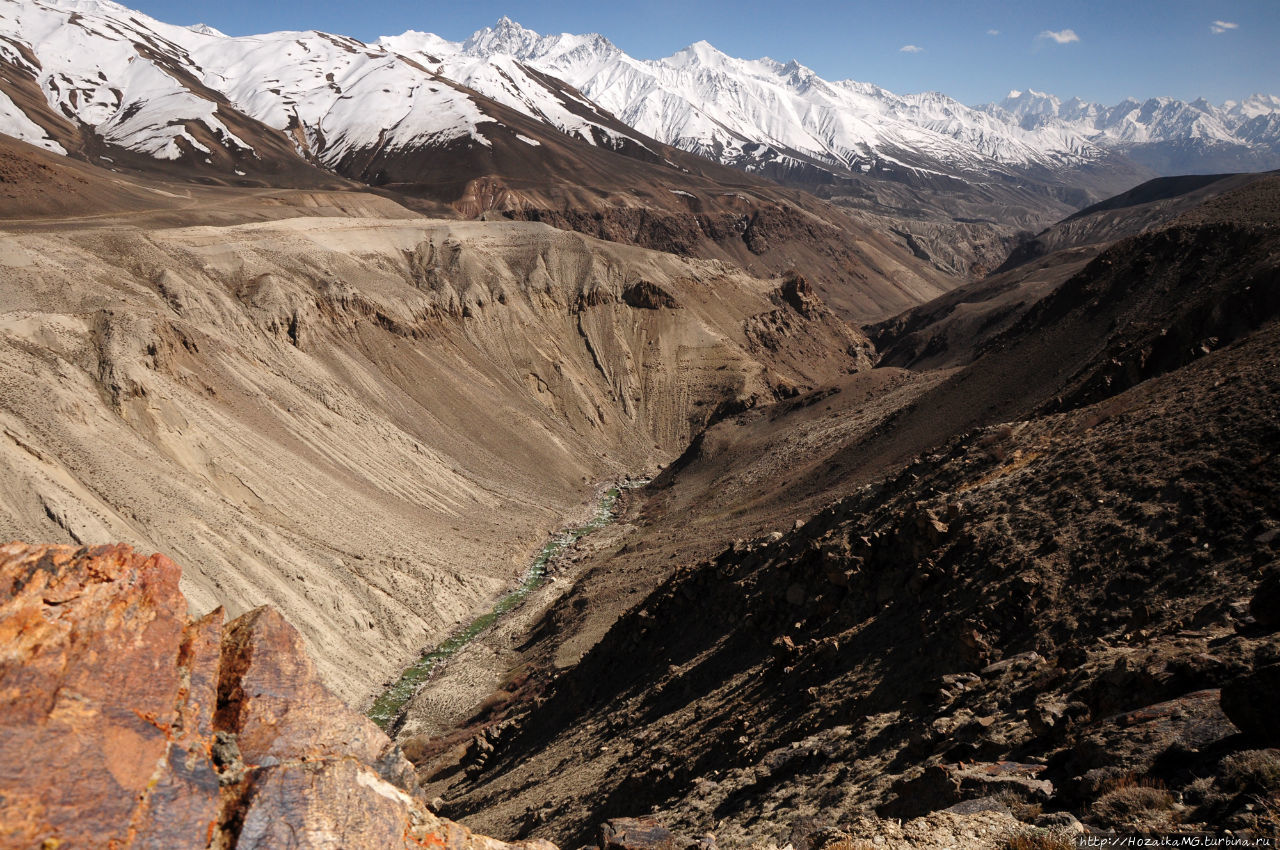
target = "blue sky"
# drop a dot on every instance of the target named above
(974, 50)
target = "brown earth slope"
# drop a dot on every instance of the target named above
(953, 329)
(368, 422)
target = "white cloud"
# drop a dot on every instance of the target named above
(910, 48)
(1219, 27)
(1061, 36)
(993, 32)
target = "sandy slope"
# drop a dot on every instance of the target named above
(367, 422)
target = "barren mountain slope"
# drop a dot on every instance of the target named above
(668, 200)
(655, 196)
(40, 190)
(855, 662)
(955, 328)
(1141, 208)
(367, 422)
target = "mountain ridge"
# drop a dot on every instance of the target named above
(607, 75)
(760, 115)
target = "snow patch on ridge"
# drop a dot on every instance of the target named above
(122, 74)
(14, 122)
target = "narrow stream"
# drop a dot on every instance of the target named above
(394, 698)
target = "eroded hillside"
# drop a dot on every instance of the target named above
(367, 422)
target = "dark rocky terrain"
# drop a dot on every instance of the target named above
(1033, 576)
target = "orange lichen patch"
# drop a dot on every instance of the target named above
(430, 839)
(150, 717)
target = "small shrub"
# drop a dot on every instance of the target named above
(848, 844)
(1253, 771)
(1019, 806)
(1041, 839)
(1128, 780)
(995, 441)
(1132, 803)
(417, 749)
(1204, 791)
(1267, 820)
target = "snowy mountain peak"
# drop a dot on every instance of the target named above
(416, 42)
(1029, 102)
(1253, 106)
(505, 37)
(104, 7)
(1145, 122)
(700, 53)
(793, 68)
(125, 77)
(205, 29)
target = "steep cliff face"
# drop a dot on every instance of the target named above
(369, 423)
(125, 724)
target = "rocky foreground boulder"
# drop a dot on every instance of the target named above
(125, 724)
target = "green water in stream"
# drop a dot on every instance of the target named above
(394, 698)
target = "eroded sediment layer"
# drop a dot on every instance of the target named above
(369, 423)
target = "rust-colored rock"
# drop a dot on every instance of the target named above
(89, 689)
(125, 725)
(270, 696)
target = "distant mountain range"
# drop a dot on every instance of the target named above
(1238, 135)
(96, 78)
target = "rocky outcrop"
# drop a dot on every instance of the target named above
(641, 834)
(1250, 701)
(125, 724)
(648, 296)
(859, 270)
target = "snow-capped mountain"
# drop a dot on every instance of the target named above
(169, 91)
(1140, 128)
(1157, 119)
(757, 114)
(90, 74)
(764, 114)
(506, 78)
